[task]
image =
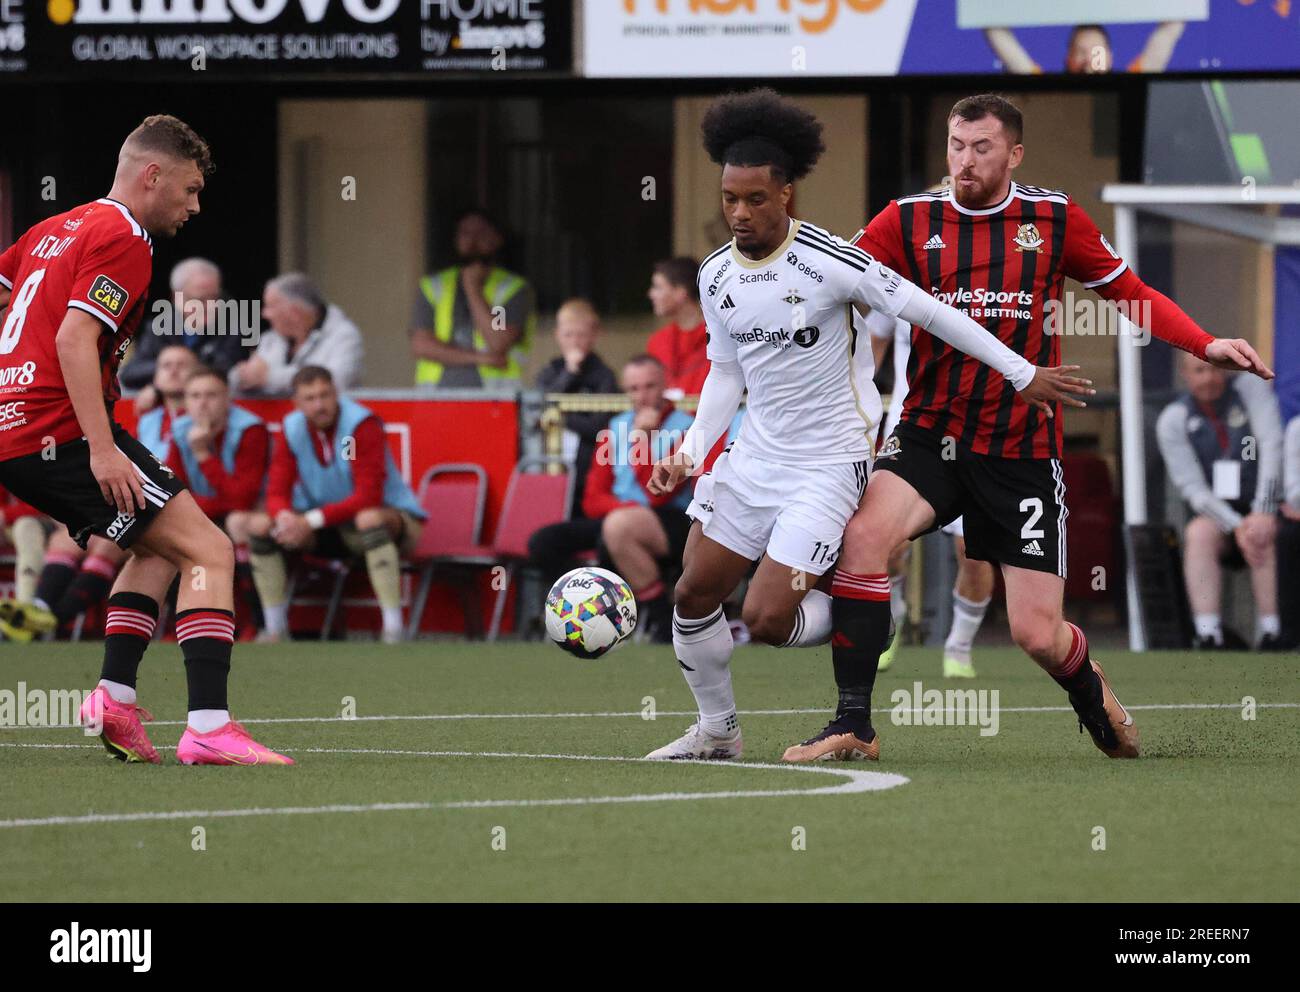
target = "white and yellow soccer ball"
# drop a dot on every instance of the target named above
(590, 611)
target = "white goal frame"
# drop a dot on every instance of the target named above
(1215, 208)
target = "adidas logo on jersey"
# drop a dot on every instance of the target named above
(726, 303)
(934, 243)
(1032, 548)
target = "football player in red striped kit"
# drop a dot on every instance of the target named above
(1000, 251)
(73, 291)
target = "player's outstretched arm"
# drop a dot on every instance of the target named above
(77, 344)
(1039, 387)
(719, 401)
(1237, 355)
(1089, 258)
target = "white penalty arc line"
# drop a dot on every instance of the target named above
(855, 782)
(617, 714)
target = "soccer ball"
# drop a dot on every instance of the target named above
(590, 611)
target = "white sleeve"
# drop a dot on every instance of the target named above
(881, 325)
(719, 400)
(881, 288)
(954, 327)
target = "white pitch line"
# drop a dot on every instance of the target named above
(856, 782)
(393, 717)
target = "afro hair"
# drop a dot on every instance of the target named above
(759, 127)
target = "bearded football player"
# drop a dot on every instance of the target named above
(966, 447)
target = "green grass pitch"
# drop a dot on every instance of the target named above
(1208, 813)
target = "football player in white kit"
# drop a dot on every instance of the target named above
(778, 303)
(974, 586)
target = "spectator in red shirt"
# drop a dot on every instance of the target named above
(220, 451)
(679, 345)
(334, 490)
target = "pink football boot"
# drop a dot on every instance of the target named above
(119, 725)
(228, 745)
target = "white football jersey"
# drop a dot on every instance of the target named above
(789, 321)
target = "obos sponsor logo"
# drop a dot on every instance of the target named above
(803, 267)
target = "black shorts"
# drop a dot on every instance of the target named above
(1013, 509)
(64, 488)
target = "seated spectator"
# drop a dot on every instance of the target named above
(635, 531)
(306, 330)
(1222, 448)
(197, 298)
(680, 344)
(218, 449)
(578, 369)
(459, 337)
(1288, 579)
(334, 490)
(25, 529)
(154, 429)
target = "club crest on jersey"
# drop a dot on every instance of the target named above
(108, 295)
(793, 298)
(1027, 238)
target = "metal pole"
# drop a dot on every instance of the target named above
(1132, 437)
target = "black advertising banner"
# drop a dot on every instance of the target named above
(182, 38)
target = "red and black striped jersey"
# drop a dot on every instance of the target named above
(1000, 265)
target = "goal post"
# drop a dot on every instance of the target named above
(1227, 209)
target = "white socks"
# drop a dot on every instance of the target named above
(967, 616)
(898, 599)
(812, 621)
(1269, 625)
(392, 620)
(200, 721)
(703, 650)
(206, 721)
(1209, 625)
(120, 693)
(276, 618)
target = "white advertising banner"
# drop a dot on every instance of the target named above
(750, 38)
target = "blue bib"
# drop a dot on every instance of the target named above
(319, 485)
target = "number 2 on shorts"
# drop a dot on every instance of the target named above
(1034, 507)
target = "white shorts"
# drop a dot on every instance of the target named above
(796, 515)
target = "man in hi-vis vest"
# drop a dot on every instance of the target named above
(473, 322)
(333, 489)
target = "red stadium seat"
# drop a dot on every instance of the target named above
(533, 499)
(453, 496)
